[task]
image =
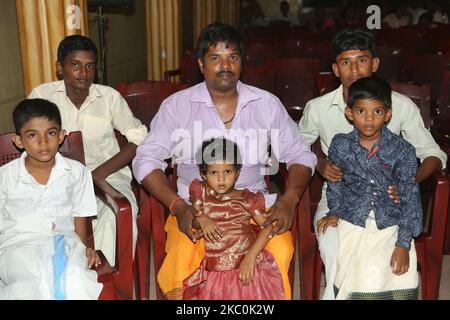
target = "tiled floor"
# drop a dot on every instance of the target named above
(444, 292)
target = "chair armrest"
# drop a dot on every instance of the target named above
(122, 208)
(171, 73)
(440, 207)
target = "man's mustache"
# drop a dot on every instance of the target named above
(225, 72)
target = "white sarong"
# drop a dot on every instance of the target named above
(364, 271)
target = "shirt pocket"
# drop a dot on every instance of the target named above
(60, 198)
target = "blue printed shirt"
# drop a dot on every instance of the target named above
(367, 175)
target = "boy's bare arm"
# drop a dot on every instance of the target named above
(118, 161)
(81, 229)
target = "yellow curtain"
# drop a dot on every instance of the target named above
(208, 11)
(228, 12)
(42, 25)
(163, 37)
(205, 12)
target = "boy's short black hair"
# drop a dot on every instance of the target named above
(371, 88)
(218, 149)
(353, 39)
(218, 32)
(74, 43)
(35, 108)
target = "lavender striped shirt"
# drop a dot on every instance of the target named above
(188, 117)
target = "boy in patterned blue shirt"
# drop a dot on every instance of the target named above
(376, 258)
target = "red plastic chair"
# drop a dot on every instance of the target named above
(188, 72)
(326, 82)
(118, 280)
(145, 97)
(420, 95)
(262, 77)
(392, 62)
(259, 52)
(428, 69)
(295, 83)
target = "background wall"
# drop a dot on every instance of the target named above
(11, 81)
(125, 38)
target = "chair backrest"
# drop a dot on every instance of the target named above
(326, 82)
(420, 95)
(145, 97)
(259, 76)
(295, 83)
(72, 147)
(428, 69)
(259, 52)
(444, 100)
(392, 62)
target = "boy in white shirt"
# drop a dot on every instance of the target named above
(44, 201)
(96, 110)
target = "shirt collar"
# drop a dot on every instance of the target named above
(246, 95)
(338, 99)
(93, 90)
(60, 169)
(386, 136)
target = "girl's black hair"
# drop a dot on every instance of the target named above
(218, 149)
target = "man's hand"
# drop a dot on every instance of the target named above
(282, 212)
(329, 221)
(400, 261)
(330, 171)
(185, 216)
(93, 258)
(210, 229)
(392, 191)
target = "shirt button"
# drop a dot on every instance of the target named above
(372, 181)
(374, 193)
(372, 203)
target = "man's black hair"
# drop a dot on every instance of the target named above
(371, 88)
(29, 109)
(74, 43)
(215, 33)
(354, 39)
(218, 149)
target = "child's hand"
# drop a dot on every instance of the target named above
(400, 261)
(93, 258)
(247, 270)
(323, 224)
(393, 194)
(211, 231)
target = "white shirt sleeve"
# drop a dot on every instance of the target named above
(309, 124)
(124, 121)
(84, 203)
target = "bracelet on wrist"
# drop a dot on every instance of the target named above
(172, 204)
